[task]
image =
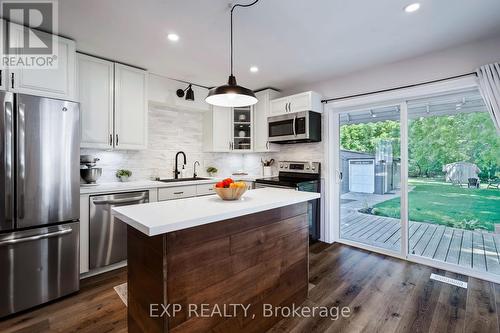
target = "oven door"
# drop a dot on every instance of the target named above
(294, 126)
(261, 185)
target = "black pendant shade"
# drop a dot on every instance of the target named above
(231, 94)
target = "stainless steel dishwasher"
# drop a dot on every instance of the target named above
(108, 238)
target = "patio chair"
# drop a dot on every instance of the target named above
(473, 182)
(494, 183)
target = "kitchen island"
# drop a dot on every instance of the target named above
(202, 264)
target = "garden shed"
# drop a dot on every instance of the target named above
(460, 172)
(367, 173)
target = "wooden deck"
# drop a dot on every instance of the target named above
(472, 249)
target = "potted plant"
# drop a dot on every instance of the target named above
(123, 174)
(212, 171)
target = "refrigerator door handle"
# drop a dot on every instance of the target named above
(36, 237)
(22, 160)
(7, 139)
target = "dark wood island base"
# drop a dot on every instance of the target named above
(251, 260)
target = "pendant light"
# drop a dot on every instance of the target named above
(231, 94)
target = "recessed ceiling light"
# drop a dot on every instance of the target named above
(411, 8)
(173, 37)
(254, 69)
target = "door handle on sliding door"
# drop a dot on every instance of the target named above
(21, 152)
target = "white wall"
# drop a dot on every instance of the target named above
(437, 65)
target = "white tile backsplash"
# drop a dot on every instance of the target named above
(171, 131)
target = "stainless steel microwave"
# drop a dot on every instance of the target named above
(295, 127)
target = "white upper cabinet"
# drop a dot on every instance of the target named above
(113, 104)
(96, 79)
(131, 119)
(306, 101)
(59, 82)
(217, 129)
(262, 110)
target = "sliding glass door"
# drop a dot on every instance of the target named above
(421, 180)
(370, 168)
(454, 191)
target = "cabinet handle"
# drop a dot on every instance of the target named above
(111, 139)
(116, 140)
(290, 107)
(267, 145)
(12, 80)
(177, 193)
(1, 77)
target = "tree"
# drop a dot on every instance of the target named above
(365, 137)
(433, 141)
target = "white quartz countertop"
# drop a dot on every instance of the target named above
(161, 217)
(148, 184)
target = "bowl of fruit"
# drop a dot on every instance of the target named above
(228, 189)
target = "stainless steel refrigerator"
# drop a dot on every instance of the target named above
(39, 200)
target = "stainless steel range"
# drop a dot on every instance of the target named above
(300, 176)
(39, 200)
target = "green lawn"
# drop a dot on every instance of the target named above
(442, 203)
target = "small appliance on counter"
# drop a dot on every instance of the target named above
(88, 172)
(300, 176)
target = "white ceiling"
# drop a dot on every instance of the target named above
(291, 41)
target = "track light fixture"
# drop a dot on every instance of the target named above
(188, 92)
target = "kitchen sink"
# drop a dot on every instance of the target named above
(182, 180)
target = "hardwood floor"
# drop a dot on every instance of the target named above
(384, 294)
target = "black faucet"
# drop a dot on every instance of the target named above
(176, 171)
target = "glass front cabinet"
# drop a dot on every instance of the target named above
(242, 129)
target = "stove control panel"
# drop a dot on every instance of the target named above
(300, 167)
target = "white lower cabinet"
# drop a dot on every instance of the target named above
(177, 192)
(205, 189)
(187, 191)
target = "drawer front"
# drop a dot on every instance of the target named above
(37, 266)
(171, 193)
(205, 189)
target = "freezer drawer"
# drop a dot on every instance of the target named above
(108, 238)
(37, 266)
